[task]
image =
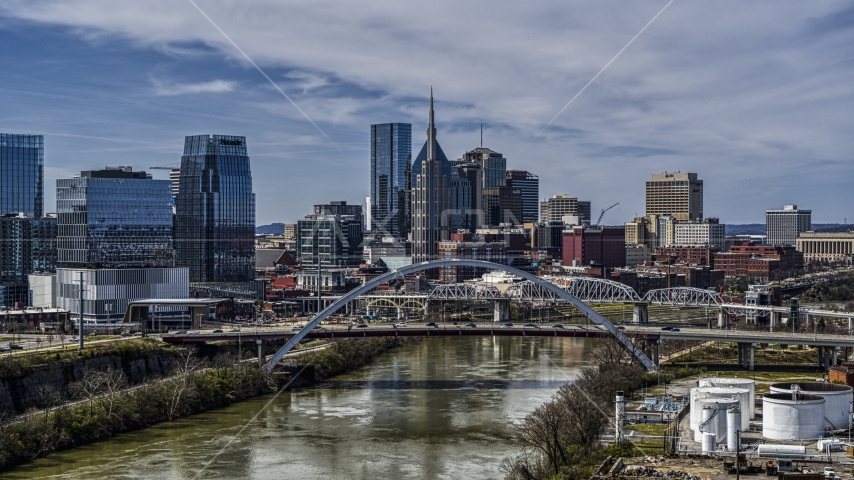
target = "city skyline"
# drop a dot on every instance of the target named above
(105, 91)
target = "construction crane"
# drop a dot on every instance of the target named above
(603, 213)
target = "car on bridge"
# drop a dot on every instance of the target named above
(432, 324)
(674, 329)
(471, 324)
(666, 329)
(296, 328)
(400, 325)
(507, 325)
(362, 325)
(218, 330)
(558, 325)
(534, 325)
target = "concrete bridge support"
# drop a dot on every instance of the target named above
(721, 319)
(752, 347)
(775, 318)
(262, 357)
(640, 313)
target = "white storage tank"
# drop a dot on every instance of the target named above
(733, 425)
(837, 407)
(743, 395)
(792, 416)
(709, 444)
(785, 451)
(718, 423)
(736, 383)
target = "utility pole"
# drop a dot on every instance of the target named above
(738, 455)
(80, 316)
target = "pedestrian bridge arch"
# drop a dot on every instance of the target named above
(418, 267)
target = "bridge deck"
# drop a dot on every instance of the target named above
(571, 331)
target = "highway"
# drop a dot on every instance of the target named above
(497, 329)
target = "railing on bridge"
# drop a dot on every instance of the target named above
(683, 297)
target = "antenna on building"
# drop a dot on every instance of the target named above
(481, 135)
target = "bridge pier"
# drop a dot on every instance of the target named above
(752, 348)
(261, 352)
(640, 313)
(721, 319)
(835, 357)
(775, 318)
(656, 353)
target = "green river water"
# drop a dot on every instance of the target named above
(443, 408)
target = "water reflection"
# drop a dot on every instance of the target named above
(441, 409)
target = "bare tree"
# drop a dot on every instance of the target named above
(609, 351)
(544, 430)
(188, 364)
(115, 381)
(587, 420)
(89, 387)
(62, 339)
(48, 397)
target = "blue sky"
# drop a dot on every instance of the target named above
(756, 97)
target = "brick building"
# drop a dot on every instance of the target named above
(689, 255)
(764, 262)
(599, 245)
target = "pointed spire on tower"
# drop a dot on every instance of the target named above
(431, 132)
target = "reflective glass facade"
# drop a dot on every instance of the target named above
(27, 245)
(528, 185)
(391, 160)
(215, 210)
(21, 174)
(114, 219)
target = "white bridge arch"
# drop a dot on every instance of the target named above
(409, 269)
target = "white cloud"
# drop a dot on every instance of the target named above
(170, 89)
(742, 92)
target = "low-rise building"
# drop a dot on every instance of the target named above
(687, 254)
(494, 252)
(817, 247)
(638, 254)
(760, 262)
(709, 232)
(600, 245)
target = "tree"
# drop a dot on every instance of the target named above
(89, 387)
(114, 382)
(544, 430)
(50, 339)
(39, 341)
(186, 365)
(62, 339)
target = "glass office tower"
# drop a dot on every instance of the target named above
(215, 218)
(21, 174)
(391, 159)
(114, 218)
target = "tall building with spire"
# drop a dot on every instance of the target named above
(431, 199)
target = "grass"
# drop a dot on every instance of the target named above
(648, 428)
(727, 353)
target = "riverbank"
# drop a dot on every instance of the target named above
(199, 384)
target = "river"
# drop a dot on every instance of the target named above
(443, 408)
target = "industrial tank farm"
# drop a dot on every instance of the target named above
(743, 395)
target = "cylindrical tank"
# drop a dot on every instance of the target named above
(787, 416)
(787, 451)
(709, 443)
(620, 407)
(718, 423)
(735, 383)
(720, 392)
(837, 406)
(733, 424)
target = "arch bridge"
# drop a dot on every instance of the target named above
(547, 286)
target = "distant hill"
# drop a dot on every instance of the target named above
(759, 228)
(271, 229)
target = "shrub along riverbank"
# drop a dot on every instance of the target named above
(561, 438)
(103, 405)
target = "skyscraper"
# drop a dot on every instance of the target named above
(555, 208)
(115, 237)
(528, 186)
(430, 198)
(391, 159)
(114, 218)
(676, 194)
(21, 174)
(494, 166)
(27, 245)
(215, 220)
(782, 227)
